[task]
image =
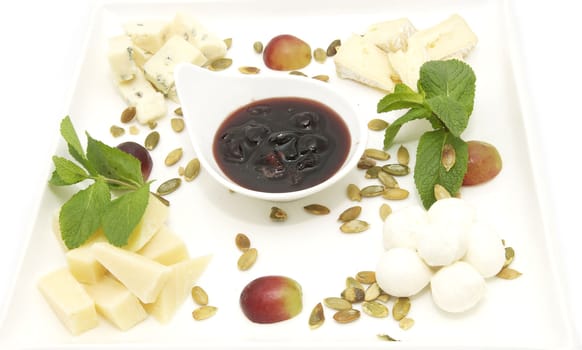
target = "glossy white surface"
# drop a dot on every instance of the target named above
(45, 41)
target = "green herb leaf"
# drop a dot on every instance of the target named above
(124, 214)
(451, 78)
(429, 169)
(399, 99)
(67, 172)
(81, 215)
(450, 112)
(74, 145)
(114, 164)
(392, 130)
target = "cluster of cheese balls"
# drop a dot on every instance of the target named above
(445, 247)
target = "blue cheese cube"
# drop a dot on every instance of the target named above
(148, 35)
(185, 25)
(120, 56)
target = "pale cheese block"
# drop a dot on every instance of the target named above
(154, 217)
(121, 58)
(83, 265)
(179, 286)
(159, 69)
(116, 303)
(165, 247)
(150, 104)
(407, 64)
(69, 300)
(390, 36)
(140, 56)
(149, 35)
(360, 60)
(189, 28)
(211, 46)
(143, 277)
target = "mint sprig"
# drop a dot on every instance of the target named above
(445, 97)
(114, 174)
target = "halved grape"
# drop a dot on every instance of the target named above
(142, 154)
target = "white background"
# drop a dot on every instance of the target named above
(41, 45)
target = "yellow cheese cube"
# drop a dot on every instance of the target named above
(165, 247)
(69, 300)
(116, 303)
(143, 277)
(83, 265)
(154, 217)
(179, 286)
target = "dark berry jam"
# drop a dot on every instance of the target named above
(281, 144)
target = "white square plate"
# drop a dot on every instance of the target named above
(529, 312)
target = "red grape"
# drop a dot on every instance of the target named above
(142, 154)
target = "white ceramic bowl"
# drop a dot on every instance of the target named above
(207, 98)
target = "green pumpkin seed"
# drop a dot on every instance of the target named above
(395, 193)
(448, 156)
(199, 295)
(299, 73)
(317, 317)
(372, 292)
(278, 214)
(174, 157)
(351, 282)
(178, 112)
(228, 42)
(152, 140)
(177, 124)
(249, 70)
(128, 114)
(258, 46)
(192, 170)
(316, 209)
(204, 312)
(377, 154)
(321, 77)
(152, 125)
(319, 55)
(169, 186)
(373, 172)
(401, 308)
(354, 226)
(385, 211)
(375, 309)
(247, 259)
(387, 180)
(353, 294)
(372, 191)
(386, 337)
(406, 323)
(508, 273)
(353, 192)
(350, 214)
(337, 303)
(402, 155)
(116, 131)
(383, 297)
(333, 47)
(509, 256)
(346, 316)
(377, 124)
(242, 241)
(396, 169)
(133, 130)
(366, 163)
(220, 64)
(366, 277)
(440, 192)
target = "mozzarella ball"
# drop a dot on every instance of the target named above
(451, 211)
(402, 227)
(457, 287)
(485, 252)
(440, 244)
(402, 273)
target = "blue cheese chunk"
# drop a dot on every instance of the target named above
(150, 104)
(120, 56)
(159, 69)
(148, 35)
(392, 35)
(185, 25)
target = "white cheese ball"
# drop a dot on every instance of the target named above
(457, 287)
(451, 211)
(402, 273)
(486, 252)
(442, 244)
(402, 227)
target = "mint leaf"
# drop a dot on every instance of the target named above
(450, 112)
(400, 99)
(124, 214)
(113, 163)
(451, 78)
(81, 215)
(392, 130)
(67, 172)
(429, 169)
(74, 145)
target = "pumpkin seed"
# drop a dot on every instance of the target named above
(402, 155)
(440, 192)
(373, 172)
(321, 77)
(169, 186)
(366, 277)
(350, 214)
(247, 259)
(296, 72)
(396, 169)
(353, 294)
(386, 337)
(319, 55)
(116, 131)
(177, 124)
(377, 124)
(509, 256)
(316, 318)
(387, 180)
(372, 191)
(395, 193)
(354, 193)
(353, 283)
(178, 112)
(383, 297)
(372, 292)
(316, 209)
(366, 163)
(375, 309)
(151, 141)
(128, 114)
(337, 303)
(204, 312)
(133, 130)
(173, 157)
(181, 171)
(401, 308)
(249, 70)
(406, 323)
(354, 226)
(152, 125)
(278, 214)
(332, 48)
(220, 64)
(199, 295)
(448, 156)
(377, 154)
(258, 46)
(508, 273)
(192, 170)
(228, 42)
(385, 211)
(242, 241)
(346, 316)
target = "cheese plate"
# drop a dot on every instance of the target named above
(529, 312)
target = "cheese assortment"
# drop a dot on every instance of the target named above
(152, 275)
(402, 50)
(143, 59)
